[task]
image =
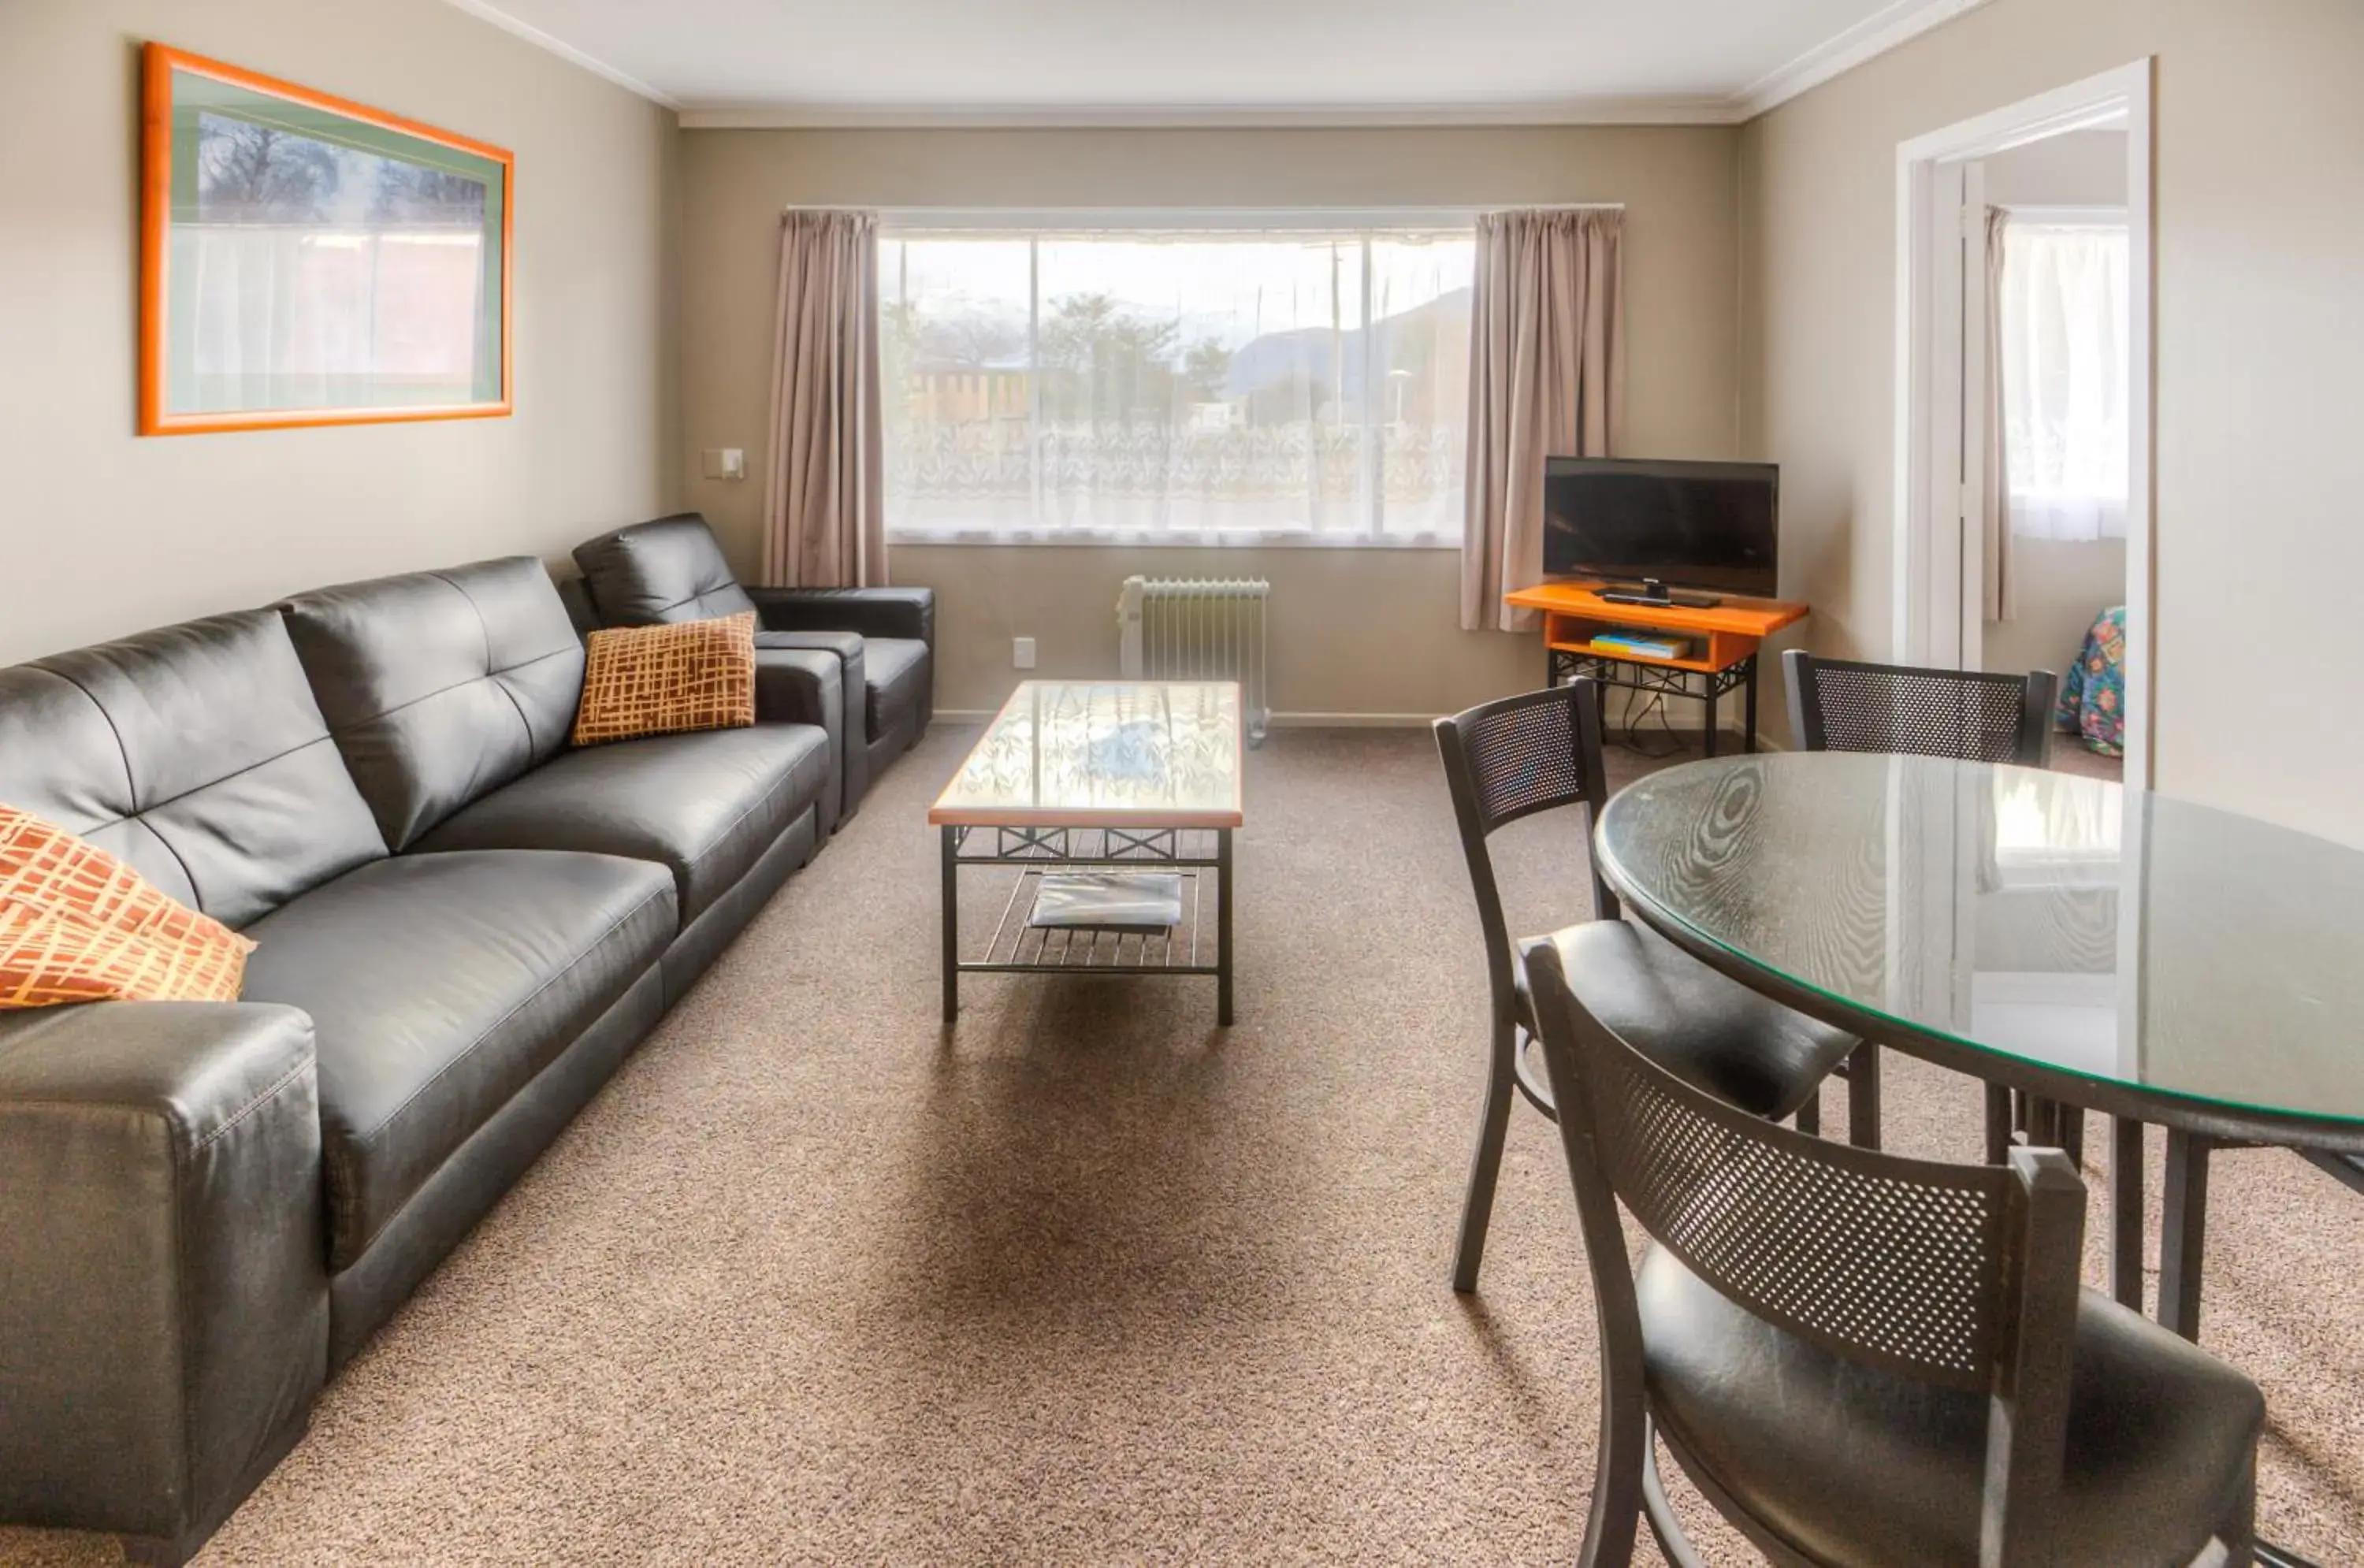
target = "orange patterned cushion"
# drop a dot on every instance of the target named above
(655, 680)
(77, 925)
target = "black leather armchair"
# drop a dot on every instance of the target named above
(884, 639)
(906, 613)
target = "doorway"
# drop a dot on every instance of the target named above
(2023, 462)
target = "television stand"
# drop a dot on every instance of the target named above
(1732, 628)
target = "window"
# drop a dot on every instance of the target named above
(1193, 383)
(2065, 320)
(2060, 832)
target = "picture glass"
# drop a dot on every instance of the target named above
(321, 263)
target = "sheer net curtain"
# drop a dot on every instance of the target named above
(2064, 319)
(1182, 385)
(1198, 385)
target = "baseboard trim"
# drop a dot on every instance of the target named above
(1278, 721)
(1316, 720)
(1352, 720)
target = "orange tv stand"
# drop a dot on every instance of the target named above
(1732, 631)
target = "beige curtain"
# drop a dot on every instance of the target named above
(824, 514)
(1994, 522)
(1546, 379)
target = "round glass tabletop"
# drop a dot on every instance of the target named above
(2179, 958)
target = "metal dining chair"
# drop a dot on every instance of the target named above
(1841, 704)
(1865, 1360)
(1513, 758)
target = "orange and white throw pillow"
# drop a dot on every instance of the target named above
(78, 925)
(658, 680)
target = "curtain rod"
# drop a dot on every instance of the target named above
(1025, 211)
(2069, 215)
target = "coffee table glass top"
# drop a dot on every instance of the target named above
(1085, 753)
(2112, 934)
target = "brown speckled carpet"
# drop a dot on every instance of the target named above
(1088, 1281)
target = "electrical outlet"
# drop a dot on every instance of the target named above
(725, 462)
(1021, 653)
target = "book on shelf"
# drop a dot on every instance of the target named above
(1646, 646)
(1116, 900)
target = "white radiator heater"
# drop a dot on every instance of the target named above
(1199, 629)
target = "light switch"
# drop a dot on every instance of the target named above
(1021, 653)
(725, 462)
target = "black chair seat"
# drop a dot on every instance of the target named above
(2161, 1435)
(1711, 1031)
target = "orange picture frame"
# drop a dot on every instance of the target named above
(160, 63)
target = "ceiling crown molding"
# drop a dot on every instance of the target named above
(1899, 25)
(1198, 117)
(484, 11)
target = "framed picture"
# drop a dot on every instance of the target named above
(306, 261)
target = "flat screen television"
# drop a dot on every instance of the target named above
(1695, 525)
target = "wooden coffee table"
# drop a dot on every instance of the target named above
(1077, 779)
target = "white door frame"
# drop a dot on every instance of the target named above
(1933, 593)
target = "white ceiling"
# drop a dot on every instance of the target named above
(1189, 61)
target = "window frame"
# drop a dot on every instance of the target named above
(2035, 221)
(897, 224)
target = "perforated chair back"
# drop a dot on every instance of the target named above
(1961, 1276)
(1838, 704)
(1511, 758)
(1895, 1261)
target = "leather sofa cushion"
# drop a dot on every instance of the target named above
(2160, 1435)
(441, 686)
(705, 805)
(899, 670)
(668, 569)
(439, 985)
(194, 752)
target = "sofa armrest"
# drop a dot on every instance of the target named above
(163, 1290)
(873, 612)
(807, 685)
(847, 648)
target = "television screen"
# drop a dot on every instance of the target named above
(1694, 525)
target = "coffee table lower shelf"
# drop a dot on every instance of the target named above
(1197, 856)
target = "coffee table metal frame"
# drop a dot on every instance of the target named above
(1037, 849)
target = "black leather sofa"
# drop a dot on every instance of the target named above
(465, 925)
(672, 569)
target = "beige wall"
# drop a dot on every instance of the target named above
(2062, 584)
(2259, 149)
(114, 533)
(1359, 632)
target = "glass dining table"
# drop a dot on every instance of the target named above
(2093, 947)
